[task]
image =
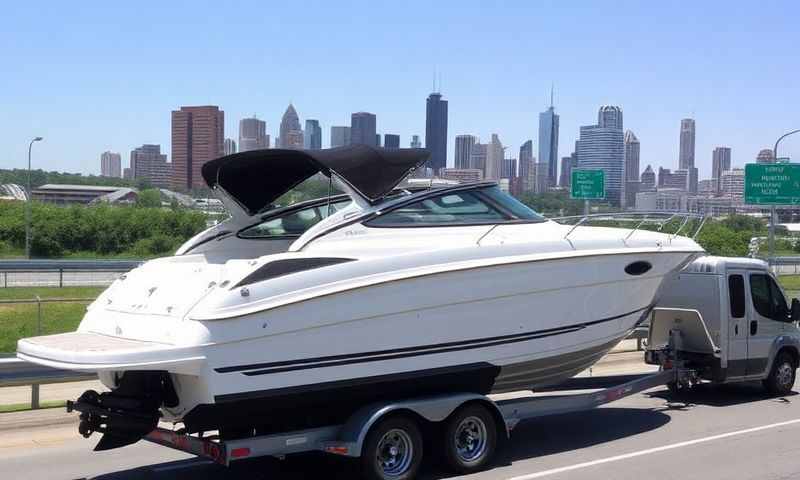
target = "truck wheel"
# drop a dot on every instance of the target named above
(392, 450)
(781, 378)
(470, 439)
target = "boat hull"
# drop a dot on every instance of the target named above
(524, 326)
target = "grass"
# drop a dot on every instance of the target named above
(790, 282)
(27, 293)
(19, 407)
(21, 320)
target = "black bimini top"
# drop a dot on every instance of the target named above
(258, 177)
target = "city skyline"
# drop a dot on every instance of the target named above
(502, 92)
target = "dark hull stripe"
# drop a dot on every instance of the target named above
(347, 359)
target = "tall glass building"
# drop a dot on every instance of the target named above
(465, 145)
(548, 143)
(436, 131)
(312, 139)
(602, 147)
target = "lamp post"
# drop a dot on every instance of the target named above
(28, 203)
(772, 207)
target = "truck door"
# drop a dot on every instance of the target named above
(737, 325)
(765, 320)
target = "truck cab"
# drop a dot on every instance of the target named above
(748, 318)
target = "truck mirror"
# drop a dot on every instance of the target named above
(795, 312)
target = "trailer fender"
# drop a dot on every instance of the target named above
(432, 409)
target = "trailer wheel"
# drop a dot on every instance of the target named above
(781, 378)
(392, 450)
(470, 439)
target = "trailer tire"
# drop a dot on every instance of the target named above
(782, 376)
(392, 450)
(470, 439)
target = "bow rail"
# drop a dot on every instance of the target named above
(642, 219)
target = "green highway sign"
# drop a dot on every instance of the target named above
(588, 184)
(772, 184)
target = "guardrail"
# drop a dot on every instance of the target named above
(63, 266)
(15, 372)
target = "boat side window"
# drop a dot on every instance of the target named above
(767, 297)
(736, 292)
(292, 224)
(454, 208)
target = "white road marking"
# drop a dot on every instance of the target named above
(626, 456)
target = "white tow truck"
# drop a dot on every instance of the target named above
(725, 320)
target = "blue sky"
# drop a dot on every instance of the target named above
(96, 76)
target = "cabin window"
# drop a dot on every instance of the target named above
(736, 292)
(292, 224)
(767, 297)
(454, 208)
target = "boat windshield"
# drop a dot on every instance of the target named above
(511, 204)
(480, 206)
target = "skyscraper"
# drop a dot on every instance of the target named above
(313, 135)
(415, 143)
(340, 136)
(602, 147)
(720, 162)
(632, 181)
(436, 131)
(465, 144)
(526, 164)
(567, 163)
(686, 155)
(548, 142)
(291, 133)
(111, 164)
(362, 128)
(765, 156)
(391, 141)
(148, 163)
(648, 180)
(197, 138)
(377, 139)
(252, 134)
(229, 146)
(478, 157)
(494, 159)
(509, 168)
(686, 159)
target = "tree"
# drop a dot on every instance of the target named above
(150, 198)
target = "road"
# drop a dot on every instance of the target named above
(53, 279)
(716, 433)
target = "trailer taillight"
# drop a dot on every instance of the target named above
(240, 452)
(336, 450)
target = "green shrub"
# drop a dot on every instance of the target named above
(98, 229)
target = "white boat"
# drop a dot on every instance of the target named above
(286, 318)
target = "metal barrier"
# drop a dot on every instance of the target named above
(15, 372)
(60, 267)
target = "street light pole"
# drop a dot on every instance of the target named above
(28, 202)
(772, 207)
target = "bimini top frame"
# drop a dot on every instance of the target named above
(257, 178)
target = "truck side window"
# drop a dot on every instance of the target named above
(779, 307)
(736, 292)
(767, 297)
(762, 298)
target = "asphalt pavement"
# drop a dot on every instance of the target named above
(735, 432)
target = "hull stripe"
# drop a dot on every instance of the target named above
(355, 358)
